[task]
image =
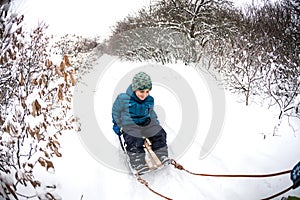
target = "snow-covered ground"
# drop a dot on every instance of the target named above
(246, 146)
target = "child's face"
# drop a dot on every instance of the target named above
(142, 94)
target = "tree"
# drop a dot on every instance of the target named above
(35, 108)
(261, 57)
(155, 44)
(191, 23)
(234, 52)
(277, 25)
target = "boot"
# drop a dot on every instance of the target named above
(162, 154)
(137, 161)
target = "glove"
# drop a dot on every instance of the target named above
(295, 176)
(118, 131)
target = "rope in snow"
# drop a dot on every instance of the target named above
(144, 182)
(180, 167)
(279, 193)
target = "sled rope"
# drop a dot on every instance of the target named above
(144, 182)
(279, 193)
(180, 167)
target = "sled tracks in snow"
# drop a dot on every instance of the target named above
(180, 167)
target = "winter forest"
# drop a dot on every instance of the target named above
(254, 52)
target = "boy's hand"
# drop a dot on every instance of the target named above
(118, 130)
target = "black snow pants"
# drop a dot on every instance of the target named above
(135, 135)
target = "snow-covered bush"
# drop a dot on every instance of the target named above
(36, 97)
(169, 31)
(81, 51)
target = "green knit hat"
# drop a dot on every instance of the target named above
(141, 81)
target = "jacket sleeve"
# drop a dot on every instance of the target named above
(116, 115)
(153, 114)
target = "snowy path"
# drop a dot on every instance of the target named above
(241, 149)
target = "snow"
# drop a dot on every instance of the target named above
(246, 146)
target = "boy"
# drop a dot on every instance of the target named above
(134, 118)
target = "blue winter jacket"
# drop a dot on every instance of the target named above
(128, 109)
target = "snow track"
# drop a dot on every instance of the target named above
(246, 146)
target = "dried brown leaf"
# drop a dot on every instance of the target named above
(5, 60)
(62, 66)
(56, 152)
(11, 54)
(30, 165)
(31, 133)
(35, 183)
(42, 161)
(49, 196)
(67, 61)
(73, 81)
(49, 165)
(60, 94)
(34, 82)
(22, 80)
(65, 77)
(19, 30)
(20, 46)
(23, 102)
(36, 108)
(57, 71)
(1, 122)
(7, 129)
(38, 136)
(48, 63)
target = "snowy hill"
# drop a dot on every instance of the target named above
(246, 145)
